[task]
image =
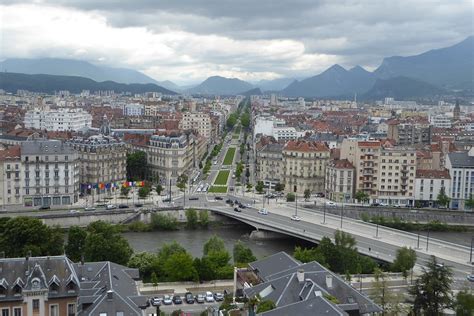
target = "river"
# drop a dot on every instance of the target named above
(193, 240)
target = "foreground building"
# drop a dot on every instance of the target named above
(303, 289)
(55, 286)
(461, 170)
(340, 180)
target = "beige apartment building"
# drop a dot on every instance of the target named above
(269, 164)
(304, 166)
(199, 122)
(385, 174)
(409, 133)
(340, 180)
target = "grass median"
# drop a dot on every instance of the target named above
(222, 177)
(229, 156)
(218, 189)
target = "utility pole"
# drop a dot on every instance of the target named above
(377, 230)
(470, 256)
(296, 204)
(170, 192)
(418, 241)
(342, 211)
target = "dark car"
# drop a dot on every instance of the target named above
(218, 198)
(123, 206)
(229, 201)
(45, 207)
(138, 204)
(189, 298)
(375, 204)
(242, 206)
(194, 198)
(237, 209)
(177, 300)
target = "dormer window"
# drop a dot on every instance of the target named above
(17, 290)
(54, 288)
(3, 287)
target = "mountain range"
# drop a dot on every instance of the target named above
(12, 82)
(221, 85)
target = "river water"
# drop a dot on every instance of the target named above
(193, 240)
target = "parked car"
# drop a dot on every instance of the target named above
(375, 204)
(73, 211)
(330, 203)
(123, 206)
(200, 298)
(295, 218)
(89, 209)
(111, 207)
(218, 198)
(138, 204)
(236, 209)
(167, 300)
(209, 297)
(470, 277)
(189, 298)
(166, 200)
(155, 301)
(229, 201)
(45, 207)
(194, 198)
(218, 297)
(177, 300)
(263, 211)
(383, 204)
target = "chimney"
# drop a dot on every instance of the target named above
(329, 281)
(110, 295)
(300, 275)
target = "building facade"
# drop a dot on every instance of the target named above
(428, 184)
(269, 164)
(199, 122)
(339, 184)
(461, 170)
(61, 119)
(409, 133)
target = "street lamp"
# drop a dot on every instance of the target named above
(427, 240)
(470, 255)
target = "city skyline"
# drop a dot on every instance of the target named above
(186, 42)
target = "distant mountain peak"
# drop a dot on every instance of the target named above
(336, 67)
(358, 69)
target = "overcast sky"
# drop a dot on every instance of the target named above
(188, 40)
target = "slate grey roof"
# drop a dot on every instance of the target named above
(293, 297)
(272, 147)
(461, 160)
(35, 147)
(273, 264)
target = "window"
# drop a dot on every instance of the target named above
(119, 314)
(54, 310)
(36, 305)
(16, 311)
(71, 309)
(103, 314)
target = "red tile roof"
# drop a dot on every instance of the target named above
(342, 164)
(305, 146)
(11, 153)
(433, 174)
(369, 144)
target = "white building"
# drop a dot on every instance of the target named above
(271, 126)
(134, 109)
(461, 170)
(428, 184)
(197, 121)
(440, 121)
(61, 119)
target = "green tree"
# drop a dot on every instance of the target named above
(259, 187)
(432, 290)
(361, 196)
(76, 239)
(307, 194)
(279, 187)
(20, 235)
(469, 203)
(232, 120)
(124, 191)
(309, 254)
(404, 261)
(159, 189)
(164, 222)
(464, 304)
(191, 218)
(442, 198)
(147, 263)
(179, 267)
(214, 244)
(182, 181)
(249, 187)
(383, 296)
(137, 166)
(265, 306)
(242, 254)
(105, 243)
(143, 192)
(204, 218)
(290, 197)
(154, 279)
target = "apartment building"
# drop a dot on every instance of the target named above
(199, 122)
(134, 109)
(102, 159)
(269, 164)
(409, 133)
(339, 184)
(61, 119)
(428, 184)
(304, 166)
(11, 176)
(51, 173)
(461, 170)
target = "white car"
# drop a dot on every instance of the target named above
(209, 297)
(111, 207)
(330, 203)
(167, 300)
(263, 211)
(295, 218)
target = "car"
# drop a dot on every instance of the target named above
(295, 218)
(218, 198)
(167, 300)
(440, 265)
(73, 211)
(177, 300)
(123, 206)
(200, 298)
(470, 277)
(138, 204)
(189, 298)
(155, 301)
(383, 204)
(375, 204)
(242, 206)
(89, 209)
(166, 200)
(111, 207)
(263, 211)
(218, 297)
(215, 162)
(330, 203)
(228, 201)
(199, 189)
(45, 207)
(236, 209)
(209, 297)
(194, 198)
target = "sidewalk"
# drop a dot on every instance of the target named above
(183, 287)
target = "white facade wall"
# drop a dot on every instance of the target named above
(58, 120)
(427, 189)
(134, 109)
(440, 121)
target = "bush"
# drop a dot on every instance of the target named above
(290, 197)
(192, 218)
(138, 227)
(164, 222)
(204, 218)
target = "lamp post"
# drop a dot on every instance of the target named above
(427, 240)
(342, 210)
(324, 208)
(418, 241)
(470, 255)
